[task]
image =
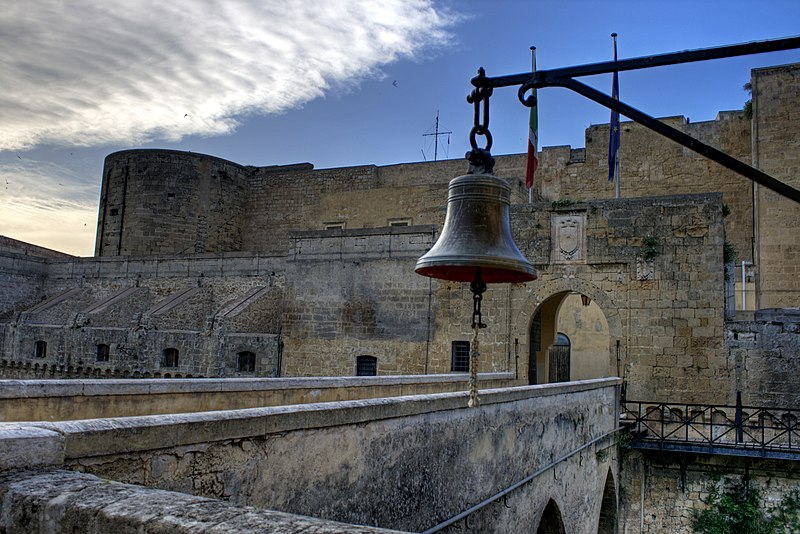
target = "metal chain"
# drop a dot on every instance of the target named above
(478, 286)
(478, 95)
(474, 401)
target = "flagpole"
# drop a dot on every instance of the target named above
(533, 69)
(616, 160)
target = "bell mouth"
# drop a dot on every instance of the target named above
(494, 274)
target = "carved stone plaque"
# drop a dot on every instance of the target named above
(569, 238)
(645, 269)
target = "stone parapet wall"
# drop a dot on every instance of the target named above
(406, 462)
(60, 400)
(13, 246)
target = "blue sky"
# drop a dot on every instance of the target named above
(333, 83)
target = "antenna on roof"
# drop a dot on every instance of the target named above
(436, 133)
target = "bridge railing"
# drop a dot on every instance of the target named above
(712, 428)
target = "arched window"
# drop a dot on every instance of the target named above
(40, 349)
(366, 366)
(246, 362)
(102, 353)
(170, 358)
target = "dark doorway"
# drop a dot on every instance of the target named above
(559, 359)
(535, 346)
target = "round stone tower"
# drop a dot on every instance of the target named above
(169, 202)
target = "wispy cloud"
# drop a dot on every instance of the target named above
(89, 73)
(48, 204)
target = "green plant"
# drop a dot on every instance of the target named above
(602, 455)
(748, 106)
(726, 210)
(736, 508)
(563, 203)
(649, 247)
(624, 439)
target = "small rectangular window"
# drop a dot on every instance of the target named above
(366, 366)
(399, 222)
(246, 362)
(114, 211)
(170, 358)
(333, 226)
(459, 357)
(102, 353)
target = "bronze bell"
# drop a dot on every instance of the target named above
(476, 239)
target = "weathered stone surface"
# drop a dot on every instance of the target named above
(29, 446)
(663, 490)
(63, 501)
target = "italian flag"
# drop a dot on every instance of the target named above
(533, 145)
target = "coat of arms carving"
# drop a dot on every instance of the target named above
(569, 238)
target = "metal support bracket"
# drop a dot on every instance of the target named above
(564, 77)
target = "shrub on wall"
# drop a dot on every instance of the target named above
(735, 507)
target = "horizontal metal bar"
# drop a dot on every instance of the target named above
(644, 62)
(705, 406)
(749, 452)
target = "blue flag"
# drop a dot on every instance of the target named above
(613, 142)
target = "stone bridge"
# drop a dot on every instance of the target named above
(536, 458)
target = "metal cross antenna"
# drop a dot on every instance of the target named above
(564, 77)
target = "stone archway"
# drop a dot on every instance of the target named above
(592, 311)
(551, 522)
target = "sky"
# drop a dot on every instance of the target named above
(331, 82)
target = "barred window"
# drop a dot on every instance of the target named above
(366, 366)
(40, 349)
(170, 358)
(102, 353)
(459, 362)
(246, 362)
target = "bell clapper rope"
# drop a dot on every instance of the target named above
(478, 286)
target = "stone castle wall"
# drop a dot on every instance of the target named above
(776, 147)
(765, 353)
(341, 294)
(661, 491)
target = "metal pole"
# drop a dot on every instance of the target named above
(533, 69)
(616, 159)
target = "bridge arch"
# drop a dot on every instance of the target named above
(607, 523)
(551, 521)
